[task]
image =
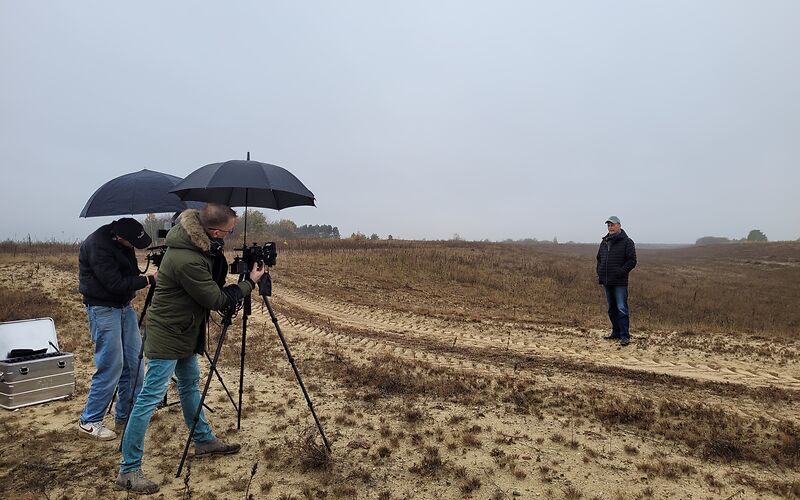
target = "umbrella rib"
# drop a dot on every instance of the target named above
(214, 175)
(133, 196)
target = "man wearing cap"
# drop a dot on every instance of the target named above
(109, 277)
(616, 258)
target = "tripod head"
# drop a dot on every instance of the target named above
(155, 254)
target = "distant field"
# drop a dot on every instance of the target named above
(749, 289)
(743, 289)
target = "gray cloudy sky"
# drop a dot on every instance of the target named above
(419, 119)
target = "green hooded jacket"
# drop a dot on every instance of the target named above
(185, 292)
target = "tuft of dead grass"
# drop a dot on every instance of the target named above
(667, 469)
(470, 485)
(312, 455)
(430, 464)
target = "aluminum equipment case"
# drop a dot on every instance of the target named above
(32, 368)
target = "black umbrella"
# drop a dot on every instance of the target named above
(143, 192)
(245, 183)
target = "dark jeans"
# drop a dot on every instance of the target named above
(617, 298)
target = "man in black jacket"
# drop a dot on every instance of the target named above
(615, 259)
(109, 277)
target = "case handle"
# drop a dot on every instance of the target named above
(23, 370)
(62, 364)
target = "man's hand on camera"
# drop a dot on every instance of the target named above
(258, 271)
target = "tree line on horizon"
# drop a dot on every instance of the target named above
(258, 228)
(755, 235)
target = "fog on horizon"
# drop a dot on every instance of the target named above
(490, 120)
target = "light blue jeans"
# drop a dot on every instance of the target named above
(156, 381)
(117, 344)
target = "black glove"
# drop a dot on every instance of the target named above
(234, 295)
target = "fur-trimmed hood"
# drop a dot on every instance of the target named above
(189, 233)
(190, 281)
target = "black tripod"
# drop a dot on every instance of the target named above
(265, 289)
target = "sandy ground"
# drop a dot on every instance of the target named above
(396, 444)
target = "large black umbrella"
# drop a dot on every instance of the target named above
(143, 192)
(245, 183)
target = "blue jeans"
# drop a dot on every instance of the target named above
(156, 380)
(617, 298)
(117, 344)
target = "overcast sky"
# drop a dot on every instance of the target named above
(420, 119)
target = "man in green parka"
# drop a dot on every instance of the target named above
(190, 284)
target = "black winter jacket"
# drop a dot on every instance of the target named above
(107, 271)
(615, 259)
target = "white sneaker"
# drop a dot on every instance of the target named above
(96, 430)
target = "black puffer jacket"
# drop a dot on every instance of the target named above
(108, 272)
(615, 259)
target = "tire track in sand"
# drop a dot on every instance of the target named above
(548, 341)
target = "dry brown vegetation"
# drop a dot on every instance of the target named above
(452, 370)
(739, 288)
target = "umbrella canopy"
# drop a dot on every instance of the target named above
(143, 192)
(245, 183)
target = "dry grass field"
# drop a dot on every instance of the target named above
(460, 370)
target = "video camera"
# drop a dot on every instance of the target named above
(266, 254)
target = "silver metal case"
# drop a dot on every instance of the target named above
(28, 380)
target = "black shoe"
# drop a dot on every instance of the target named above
(624, 342)
(611, 337)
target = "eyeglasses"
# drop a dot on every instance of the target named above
(223, 230)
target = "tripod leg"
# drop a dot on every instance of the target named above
(130, 403)
(226, 322)
(296, 373)
(247, 311)
(219, 377)
(113, 399)
(147, 302)
(165, 404)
